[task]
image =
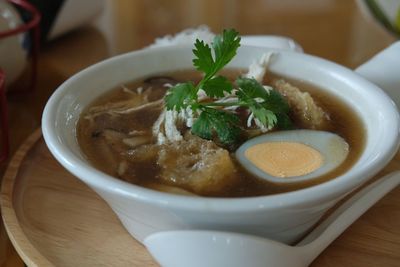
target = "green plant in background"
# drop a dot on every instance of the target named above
(387, 13)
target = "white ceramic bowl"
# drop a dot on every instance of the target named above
(284, 217)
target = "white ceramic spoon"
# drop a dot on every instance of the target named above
(197, 248)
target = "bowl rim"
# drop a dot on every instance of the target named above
(329, 190)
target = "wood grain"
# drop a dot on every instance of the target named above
(53, 219)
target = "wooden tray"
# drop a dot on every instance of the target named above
(53, 219)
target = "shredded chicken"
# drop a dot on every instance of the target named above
(122, 168)
(113, 106)
(166, 127)
(258, 68)
(114, 139)
(137, 141)
(136, 101)
(305, 109)
(127, 90)
(138, 108)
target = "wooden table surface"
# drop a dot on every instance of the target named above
(333, 29)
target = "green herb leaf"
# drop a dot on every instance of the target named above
(180, 96)
(225, 48)
(275, 102)
(264, 104)
(216, 86)
(269, 107)
(251, 89)
(212, 121)
(284, 121)
(203, 61)
(265, 116)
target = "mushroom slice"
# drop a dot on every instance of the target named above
(136, 141)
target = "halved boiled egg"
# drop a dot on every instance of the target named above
(292, 156)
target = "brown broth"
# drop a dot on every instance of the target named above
(347, 124)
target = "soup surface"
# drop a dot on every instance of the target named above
(116, 133)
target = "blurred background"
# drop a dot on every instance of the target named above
(335, 29)
(340, 30)
(76, 34)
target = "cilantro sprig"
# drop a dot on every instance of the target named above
(267, 106)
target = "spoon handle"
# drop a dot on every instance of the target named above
(346, 214)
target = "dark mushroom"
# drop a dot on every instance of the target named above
(160, 80)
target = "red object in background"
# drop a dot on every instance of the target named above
(5, 146)
(31, 25)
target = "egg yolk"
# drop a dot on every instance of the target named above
(284, 159)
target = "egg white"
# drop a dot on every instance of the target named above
(333, 148)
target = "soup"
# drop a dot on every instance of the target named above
(117, 133)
